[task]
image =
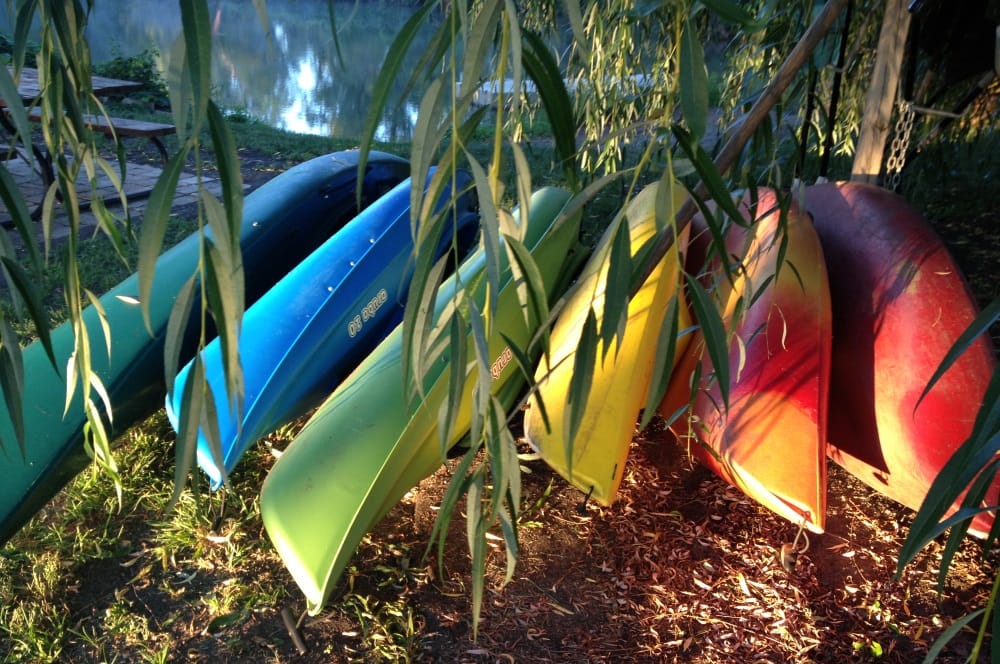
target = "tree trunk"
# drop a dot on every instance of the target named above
(881, 93)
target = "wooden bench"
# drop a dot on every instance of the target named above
(123, 127)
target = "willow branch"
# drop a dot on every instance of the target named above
(748, 125)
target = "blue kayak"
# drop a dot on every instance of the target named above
(283, 221)
(304, 336)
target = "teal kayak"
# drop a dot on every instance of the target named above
(319, 321)
(368, 443)
(283, 221)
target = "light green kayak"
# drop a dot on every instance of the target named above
(366, 446)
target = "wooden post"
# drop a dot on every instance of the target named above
(881, 95)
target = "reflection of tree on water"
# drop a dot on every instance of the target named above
(294, 80)
(297, 81)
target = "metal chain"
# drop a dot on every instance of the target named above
(900, 144)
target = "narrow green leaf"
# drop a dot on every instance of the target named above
(395, 57)
(230, 175)
(580, 383)
(480, 39)
(544, 71)
(734, 14)
(490, 227)
(335, 33)
(192, 401)
(616, 288)
(197, 30)
(418, 322)
(477, 546)
(948, 634)
(456, 381)
(979, 326)
(531, 292)
(177, 324)
(714, 333)
(154, 227)
(457, 487)
(16, 113)
(576, 23)
(22, 31)
(693, 81)
(709, 174)
(12, 381)
(27, 287)
(666, 350)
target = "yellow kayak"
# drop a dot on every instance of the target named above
(594, 461)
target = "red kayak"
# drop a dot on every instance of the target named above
(899, 304)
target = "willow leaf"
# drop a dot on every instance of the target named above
(576, 23)
(12, 381)
(489, 224)
(531, 292)
(221, 283)
(544, 71)
(522, 173)
(22, 31)
(154, 227)
(17, 208)
(693, 81)
(579, 385)
(394, 59)
(475, 535)
(192, 401)
(734, 14)
(418, 321)
(197, 29)
(714, 333)
(709, 174)
(481, 37)
(457, 487)
(666, 351)
(427, 137)
(947, 635)
(456, 381)
(335, 33)
(28, 290)
(979, 326)
(228, 165)
(16, 113)
(616, 287)
(177, 324)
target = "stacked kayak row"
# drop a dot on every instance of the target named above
(839, 306)
(283, 222)
(836, 307)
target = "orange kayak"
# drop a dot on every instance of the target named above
(899, 303)
(771, 440)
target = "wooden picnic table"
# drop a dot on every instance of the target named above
(30, 89)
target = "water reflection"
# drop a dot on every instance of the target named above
(290, 77)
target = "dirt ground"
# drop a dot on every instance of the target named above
(682, 567)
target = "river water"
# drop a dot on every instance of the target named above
(291, 77)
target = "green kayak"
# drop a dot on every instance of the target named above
(283, 221)
(367, 446)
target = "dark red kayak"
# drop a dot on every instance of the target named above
(899, 304)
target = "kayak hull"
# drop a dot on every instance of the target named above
(770, 442)
(900, 302)
(370, 442)
(312, 328)
(595, 460)
(282, 221)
